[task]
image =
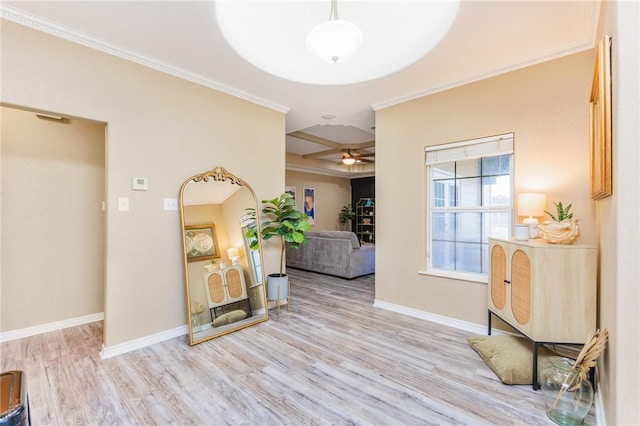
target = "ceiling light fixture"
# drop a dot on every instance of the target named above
(390, 35)
(348, 159)
(334, 40)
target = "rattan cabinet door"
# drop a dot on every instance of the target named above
(521, 287)
(215, 289)
(498, 284)
(235, 284)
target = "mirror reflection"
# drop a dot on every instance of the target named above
(224, 278)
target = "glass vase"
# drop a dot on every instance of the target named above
(195, 323)
(567, 399)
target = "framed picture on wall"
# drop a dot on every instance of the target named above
(309, 202)
(201, 242)
(292, 191)
(600, 121)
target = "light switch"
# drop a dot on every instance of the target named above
(171, 204)
(123, 204)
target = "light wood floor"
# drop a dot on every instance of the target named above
(334, 360)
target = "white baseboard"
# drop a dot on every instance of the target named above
(132, 345)
(53, 326)
(439, 319)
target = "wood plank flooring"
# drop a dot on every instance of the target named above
(333, 360)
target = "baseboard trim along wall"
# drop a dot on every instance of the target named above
(132, 345)
(439, 319)
(52, 326)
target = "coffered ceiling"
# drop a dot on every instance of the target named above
(323, 121)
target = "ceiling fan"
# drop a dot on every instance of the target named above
(349, 157)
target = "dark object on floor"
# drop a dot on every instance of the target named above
(510, 357)
(14, 404)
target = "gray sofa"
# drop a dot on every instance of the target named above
(335, 253)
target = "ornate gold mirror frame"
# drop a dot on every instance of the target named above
(224, 277)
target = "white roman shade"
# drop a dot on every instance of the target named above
(467, 150)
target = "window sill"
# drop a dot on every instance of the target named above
(463, 276)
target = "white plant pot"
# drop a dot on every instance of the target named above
(565, 232)
(277, 286)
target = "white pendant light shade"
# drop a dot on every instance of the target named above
(349, 161)
(286, 38)
(335, 40)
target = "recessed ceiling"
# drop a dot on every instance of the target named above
(182, 38)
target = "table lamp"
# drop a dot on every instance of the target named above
(234, 255)
(531, 205)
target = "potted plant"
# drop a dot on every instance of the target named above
(563, 229)
(346, 216)
(283, 221)
(211, 266)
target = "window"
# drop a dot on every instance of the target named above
(255, 263)
(470, 199)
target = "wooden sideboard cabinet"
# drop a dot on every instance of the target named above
(224, 287)
(545, 291)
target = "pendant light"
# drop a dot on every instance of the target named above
(334, 40)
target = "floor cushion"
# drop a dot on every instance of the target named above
(510, 357)
(229, 317)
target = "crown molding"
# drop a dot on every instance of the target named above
(19, 17)
(580, 47)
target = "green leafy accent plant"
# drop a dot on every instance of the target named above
(563, 212)
(281, 220)
(346, 214)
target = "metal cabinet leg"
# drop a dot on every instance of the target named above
(536, 386)
(489, 325)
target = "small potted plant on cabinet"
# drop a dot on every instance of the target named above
(288, 225)
(563, 229)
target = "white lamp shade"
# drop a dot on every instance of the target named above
(531, 205)
(233, 252)
(348, 161)
(335, 40)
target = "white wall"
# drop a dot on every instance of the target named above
(52, 220)
(619, 222)
(331, 194)
(159, 127)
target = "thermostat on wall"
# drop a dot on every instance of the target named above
(140, 184)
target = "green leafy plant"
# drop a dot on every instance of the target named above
(563, 212)
(282, 220)
(346, 214)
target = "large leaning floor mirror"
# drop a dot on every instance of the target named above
(224, 277)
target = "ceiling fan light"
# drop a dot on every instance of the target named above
(348, 161)
(334, 40)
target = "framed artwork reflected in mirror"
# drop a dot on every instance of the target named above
(201, 242)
